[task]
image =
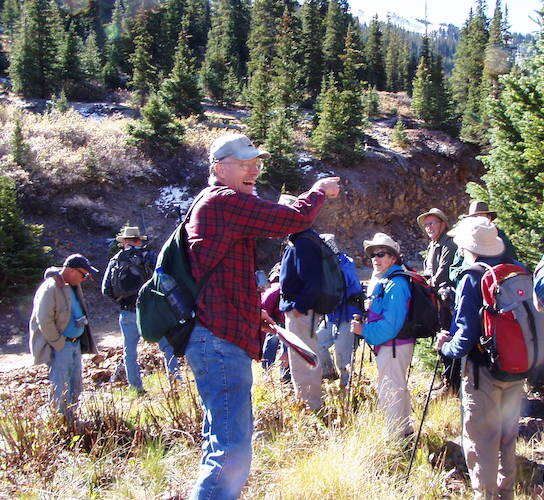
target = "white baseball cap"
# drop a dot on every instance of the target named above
(237, 145)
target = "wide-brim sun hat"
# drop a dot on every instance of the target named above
(381, 240)
(130, 232)
(478, 235)
(238, 146)
(478, 208)
(433, 211)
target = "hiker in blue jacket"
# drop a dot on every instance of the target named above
(336, 330)
(300, 282)
(388, 307)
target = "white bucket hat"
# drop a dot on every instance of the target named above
(478, 235)
(381, 240)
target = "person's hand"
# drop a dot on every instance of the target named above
(356, 327)
(266, 322)
(329, 185)
(442, 338)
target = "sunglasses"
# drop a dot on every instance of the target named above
(381, 255)
(83, 275)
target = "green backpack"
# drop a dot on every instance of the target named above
(154, 315)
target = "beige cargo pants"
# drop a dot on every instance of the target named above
(306, 380)
(490, 429)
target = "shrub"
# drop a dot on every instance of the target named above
(22, 259)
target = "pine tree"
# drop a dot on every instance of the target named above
(265, 17)
(35, 58)
(468, 69)
(144, 74)
(174, 11)
(281, 169)
(19, 147)
(11, 11)
(286, 66)
(312, 48)
(91, 63)
(111, 73)
(335, 34)
(260, 103)
(374, 56)
(197, 13)
(352, 62)
(180, 91)
(224, 62)
(514, 179)
(22, 258)
(158, 131)
(94, 15)
(337, 135)
(399, 136)
(70, 63)
(423, 98)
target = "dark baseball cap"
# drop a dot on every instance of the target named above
(78, 261)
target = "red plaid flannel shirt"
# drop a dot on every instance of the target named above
(225, 224)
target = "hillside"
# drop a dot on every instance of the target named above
(82, 182)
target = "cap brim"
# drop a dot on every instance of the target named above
(249, 153)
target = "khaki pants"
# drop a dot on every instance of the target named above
(490, 429)
(393, 394)
(306, 380)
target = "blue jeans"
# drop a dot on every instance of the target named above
(222, 372)
(65, 376)
(129, 328)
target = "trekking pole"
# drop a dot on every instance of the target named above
(360, 372)
(425, 408)
(356, 317)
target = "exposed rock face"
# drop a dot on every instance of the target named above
(387, 190)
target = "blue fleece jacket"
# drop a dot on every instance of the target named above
(466, 326)
(345, 311)
(388, 308)
(300, 274)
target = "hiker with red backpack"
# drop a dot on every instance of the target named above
(498, 333)
(389, 297)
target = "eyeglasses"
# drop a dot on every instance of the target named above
(381, 255)
(241, 164)
(431, 224)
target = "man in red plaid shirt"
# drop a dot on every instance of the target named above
(222, 231)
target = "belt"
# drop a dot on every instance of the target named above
(73, 340)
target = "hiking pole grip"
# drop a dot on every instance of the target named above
(425, 408)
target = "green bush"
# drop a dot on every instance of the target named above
(22, 258)
(158, 130)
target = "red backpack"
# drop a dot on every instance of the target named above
(513, 330)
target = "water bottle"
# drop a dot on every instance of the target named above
(169, 287)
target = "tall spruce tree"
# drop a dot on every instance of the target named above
(113, 50)
(260, 102)
(375, 74)
(265, 17)
(197, 13)
(174, 11)
(180, 91)
(468, 70)
(71, 73)
(35, 60)
(335, 136)
(312, 48)
(514, 179)
(281, 170)
(91, 62)
(11, 11)
(335, 34)
(144, 74)
(225, 59)
(286, 66)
